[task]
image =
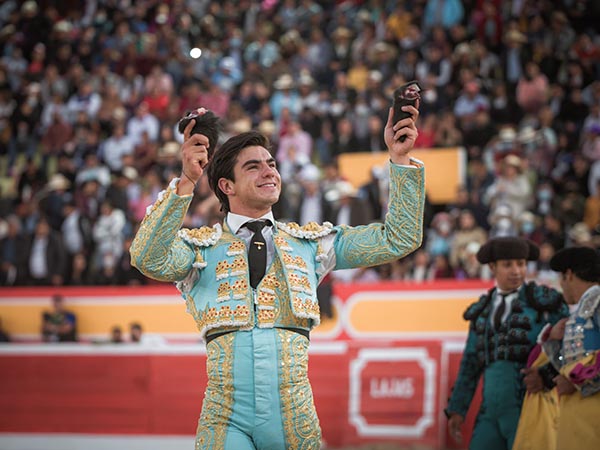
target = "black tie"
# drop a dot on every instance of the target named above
(257, 253)
(500, 310)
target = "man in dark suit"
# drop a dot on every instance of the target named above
(347, 207)
(44, 257)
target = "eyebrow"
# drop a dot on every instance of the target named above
(257, 161)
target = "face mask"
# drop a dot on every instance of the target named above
(527, 227)
(430, 96)
(544, 195)
(337, 109)
(444, 227)
(362, 109)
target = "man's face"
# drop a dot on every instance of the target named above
(257, 183)
(566, 286)
(509, 273)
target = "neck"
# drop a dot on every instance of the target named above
(580, 289)
(250, 212)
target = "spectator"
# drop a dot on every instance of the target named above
(467, 233)
(116, 335)
(44, 257)
(469, 103)
(445, 14)
(59, 324)
(510, 188)
(85, 100)
(12, 249)
(116, 147)
(420, 270)
(532, 89)
(77, 234)
(440, 235)
(135, 332)
(108, 233)
(294, 150)
(143, 120)
(347, 207)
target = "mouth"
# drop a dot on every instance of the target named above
(267, 185)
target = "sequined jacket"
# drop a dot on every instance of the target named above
(209, 265)
(534, 307)
(578, 358)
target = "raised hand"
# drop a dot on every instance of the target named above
(405, 127)
(194, 157)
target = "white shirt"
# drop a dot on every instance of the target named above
(71, 233)
(310, 210)
(509, 300)
(236, 222)
(38, 266)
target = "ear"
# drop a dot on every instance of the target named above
(227, 186)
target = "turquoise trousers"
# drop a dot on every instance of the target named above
(258, 395)
(498, 417)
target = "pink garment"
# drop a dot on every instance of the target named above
(581, 373)
(296, 147)
(532, 94)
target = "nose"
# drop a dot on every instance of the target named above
(269, 170)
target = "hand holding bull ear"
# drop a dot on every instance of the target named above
(200, 130)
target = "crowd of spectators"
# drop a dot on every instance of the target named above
(90, 97)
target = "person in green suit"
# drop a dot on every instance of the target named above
(504, 325)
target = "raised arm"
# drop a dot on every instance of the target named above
(402, 231)
(157, 251)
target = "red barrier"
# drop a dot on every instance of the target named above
(364, 391)
(375, 378)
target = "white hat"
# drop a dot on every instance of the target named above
(285, 81)
(507, 134)
(170, 148)
(130, 173)
(310, 172)
(342, 189)
(58, 182)
(227, 63)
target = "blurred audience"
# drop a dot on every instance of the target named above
(89, 101)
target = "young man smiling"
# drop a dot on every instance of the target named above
(251, 287)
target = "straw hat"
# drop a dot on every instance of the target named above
(169, 149)
(514, 161)
(515, 36)
(285, 81)
(58, 182)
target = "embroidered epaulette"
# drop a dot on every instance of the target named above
(474, 309)
(589, 303)
(201, 237)
(311, 230)
(543, 298)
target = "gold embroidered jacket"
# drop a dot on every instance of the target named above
(209, 264)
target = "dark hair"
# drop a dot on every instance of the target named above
(207, 124)
(590, 273)
(223, 161)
